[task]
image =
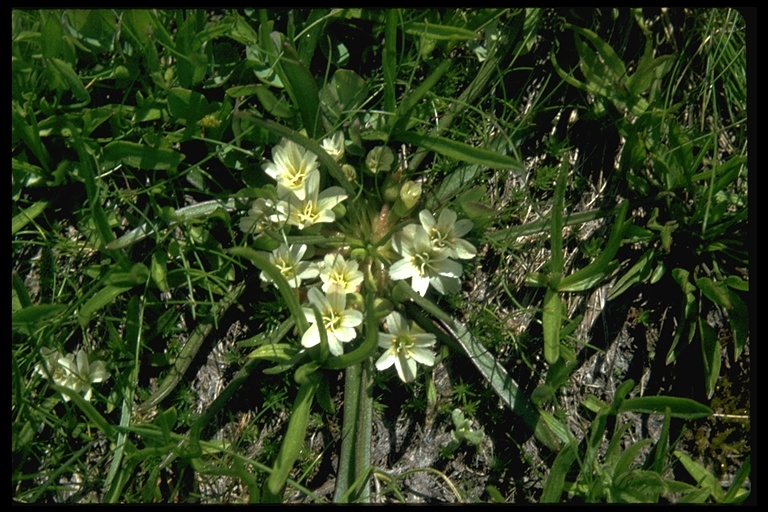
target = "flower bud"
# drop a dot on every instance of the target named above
(379, 158)
(410, 193)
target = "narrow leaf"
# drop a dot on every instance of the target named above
(27, 215)
(439, 32)
(141, 156)
(460, 151)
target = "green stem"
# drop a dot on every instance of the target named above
(355, 456)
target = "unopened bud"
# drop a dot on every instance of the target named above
(379, 158)
(410, 193)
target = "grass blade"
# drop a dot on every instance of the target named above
(460, 151)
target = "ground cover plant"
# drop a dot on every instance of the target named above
(377, 256)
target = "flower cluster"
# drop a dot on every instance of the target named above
(73, 371)
(429, 250)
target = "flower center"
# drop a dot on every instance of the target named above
(285, 267)
(309, 214)
(438, 238)
(422, 261)
(331, 321)
(403, 344)
(337, 277)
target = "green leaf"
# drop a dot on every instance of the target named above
(89, 410)
(299, 83)
(602, 267)
(683, 408)
(100, 299)
(278, 107)
(553, 487)
(28, 317)
(201, 210)
(30, 135)
(706, 480)
(716, 292)
(187, 106)
(275, 352)
(551, 322)
(27, 215)
(460, 151)
(735, 493)
(639, 273)
(141, 156)
(293, 440)
(344, 93)
(399, 122)
(64, 69)
(627, 458)
(439, 32)
(159, 269)
(711, 354)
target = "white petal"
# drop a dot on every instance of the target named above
(406, 368)
(446, 285)
(402, 269)
(385, 340)
(448, 267)
(420, 284)
(462, 227)
(385, 360)
(423, 339)
(446, 219)
(396, 324)
(351, 318)
(464, 250)
(345, 333)
(311, 337)
(334, 345)
(427, 219)
(423, 356)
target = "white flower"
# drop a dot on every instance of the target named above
(340, 275)
(334, 145)
(72, 371)
(287, 259)
(446, 233)
(261, 216)
(339, 323)
(423, 262)
(293, 165)
(314, 207)
(404, 348)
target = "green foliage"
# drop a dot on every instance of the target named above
(616, 477)
(138, 145)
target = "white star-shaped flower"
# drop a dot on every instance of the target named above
(404, 348)
(262, 216)
(424, 263)
(292, 167)
(314, 208)
(287, 259)
(339, 274)
(446, 233)
(339, 323)
(73, 371)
